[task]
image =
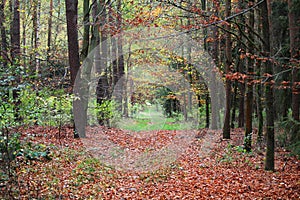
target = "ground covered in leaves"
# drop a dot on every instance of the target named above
(206, 167)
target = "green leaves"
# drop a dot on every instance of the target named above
(35, 152)
(42, 108)
(10, 146)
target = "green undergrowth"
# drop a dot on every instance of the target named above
(152, 118)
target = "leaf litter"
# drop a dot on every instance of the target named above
(183, 165)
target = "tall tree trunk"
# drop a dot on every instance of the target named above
(15, 31)
(259, 106)
(207, 110)
(73, 53)
(241, 68)
(15, 55)
(207, 100)
(35, 34)
(249, 88)
(49, 29)
(120, 58)
(86, 30)
(228, 57)
(24, 36)
(294, 28)
(215, 55)
(234, 102)
(259, 94)
(57, 28)
(269, 164)
(3, 50)
(103, 87)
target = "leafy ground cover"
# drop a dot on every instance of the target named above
(209, 168)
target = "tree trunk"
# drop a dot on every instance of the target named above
(294, 28)
(241, 68)
(259, 93)
(215, 55)
(228, 57)
(249, 88)
(73, 53)
(24, 36)
(3, 50)
(49, 30)
(207, 110)
(234, 100)
(269, 164)
(35, 34)
(15, 31)
(103, 92)
(86, 31)
(120, 58)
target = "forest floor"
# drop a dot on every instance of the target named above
(203, 167)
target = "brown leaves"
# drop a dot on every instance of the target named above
(224, 172)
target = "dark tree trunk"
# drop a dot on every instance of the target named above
(73, 49)
(73, 52)
(234, 100)
(249, 84)
(3, 49)
(15, 31)
(269, 164)
(103, 92)
(86, 31)
(241, 68)
(215, 55)
(207, 110)
(228, 57)
(294, 28)
(259, 93)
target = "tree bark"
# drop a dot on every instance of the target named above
(249, 83)
(49, 30)
(228, 57)
(86, 31)
(4, 45)
(269, 163)
(294, 28)
(73, 53)
(215, 55)
(241, 68)
(15, 31)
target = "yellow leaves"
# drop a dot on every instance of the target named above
(156, 12)
(152, 14)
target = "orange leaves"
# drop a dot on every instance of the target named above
(210, 39)
(237, 76)
(224, 172)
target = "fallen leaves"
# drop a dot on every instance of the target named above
(221, 173)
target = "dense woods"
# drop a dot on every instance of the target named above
(230, 68)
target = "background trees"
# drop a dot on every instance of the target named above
(254, 46)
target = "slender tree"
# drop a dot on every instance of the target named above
(241, 65)
(73, 53)
(250, 71)
(215, 56)
(15, 31)
(49, 37)
(36, 4)
(4, 45)
(86, 31)
(269, 163)
(258, 88)
(228, 63)
(294, 28)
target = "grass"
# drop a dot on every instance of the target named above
(151, 119)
